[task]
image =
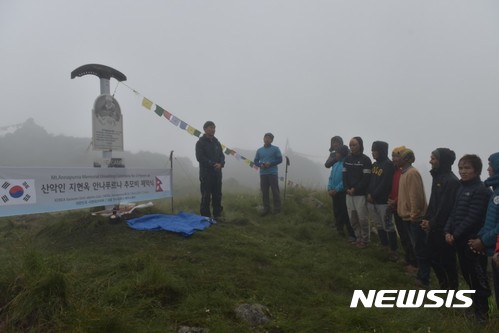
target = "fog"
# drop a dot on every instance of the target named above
(419, 73)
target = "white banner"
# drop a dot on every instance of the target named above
(40, 190)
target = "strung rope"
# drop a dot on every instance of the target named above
(177, 122)
(116, 88)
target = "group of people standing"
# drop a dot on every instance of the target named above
(459, 222)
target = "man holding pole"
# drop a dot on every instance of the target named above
(267, 159)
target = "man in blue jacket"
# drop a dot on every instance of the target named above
(267, 158)
(488, 234)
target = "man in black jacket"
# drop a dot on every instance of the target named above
(443, 194)
(356, 173)
(379, 189)
(465, 221)
(211, 160)
(336, 143)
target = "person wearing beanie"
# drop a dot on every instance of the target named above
(378, 191)
(464, 224)
(336, 191)
(488, 236)
(402, 229)
(411, 207)
(356, 174)
(336, 143)
(211, 160)
(267, 158)
(443, 194)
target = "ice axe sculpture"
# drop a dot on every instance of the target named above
(104, 73)
(107, 114)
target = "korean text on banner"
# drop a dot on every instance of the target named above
(40, 190)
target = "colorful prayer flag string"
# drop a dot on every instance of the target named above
(148, 104)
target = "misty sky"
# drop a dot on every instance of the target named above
(420, 73)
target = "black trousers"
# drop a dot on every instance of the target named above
(340, 213)
(474, 270)
(270, 182)
(211, 192)
(495, 275)
(443, 260)
(405, 240)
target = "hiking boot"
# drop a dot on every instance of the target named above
(421, 285)
(264, 212)
(219, 219)
(481, 318)
(393, 256)
(361, 245)
(411, 269)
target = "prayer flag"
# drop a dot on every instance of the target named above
(147, 103)
(167, 115)
(159, 110)
(193, 131)
(174, 120)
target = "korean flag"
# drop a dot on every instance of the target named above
(17, 192)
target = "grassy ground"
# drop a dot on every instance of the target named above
(73, 272)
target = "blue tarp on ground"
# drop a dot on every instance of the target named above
(183, 223)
